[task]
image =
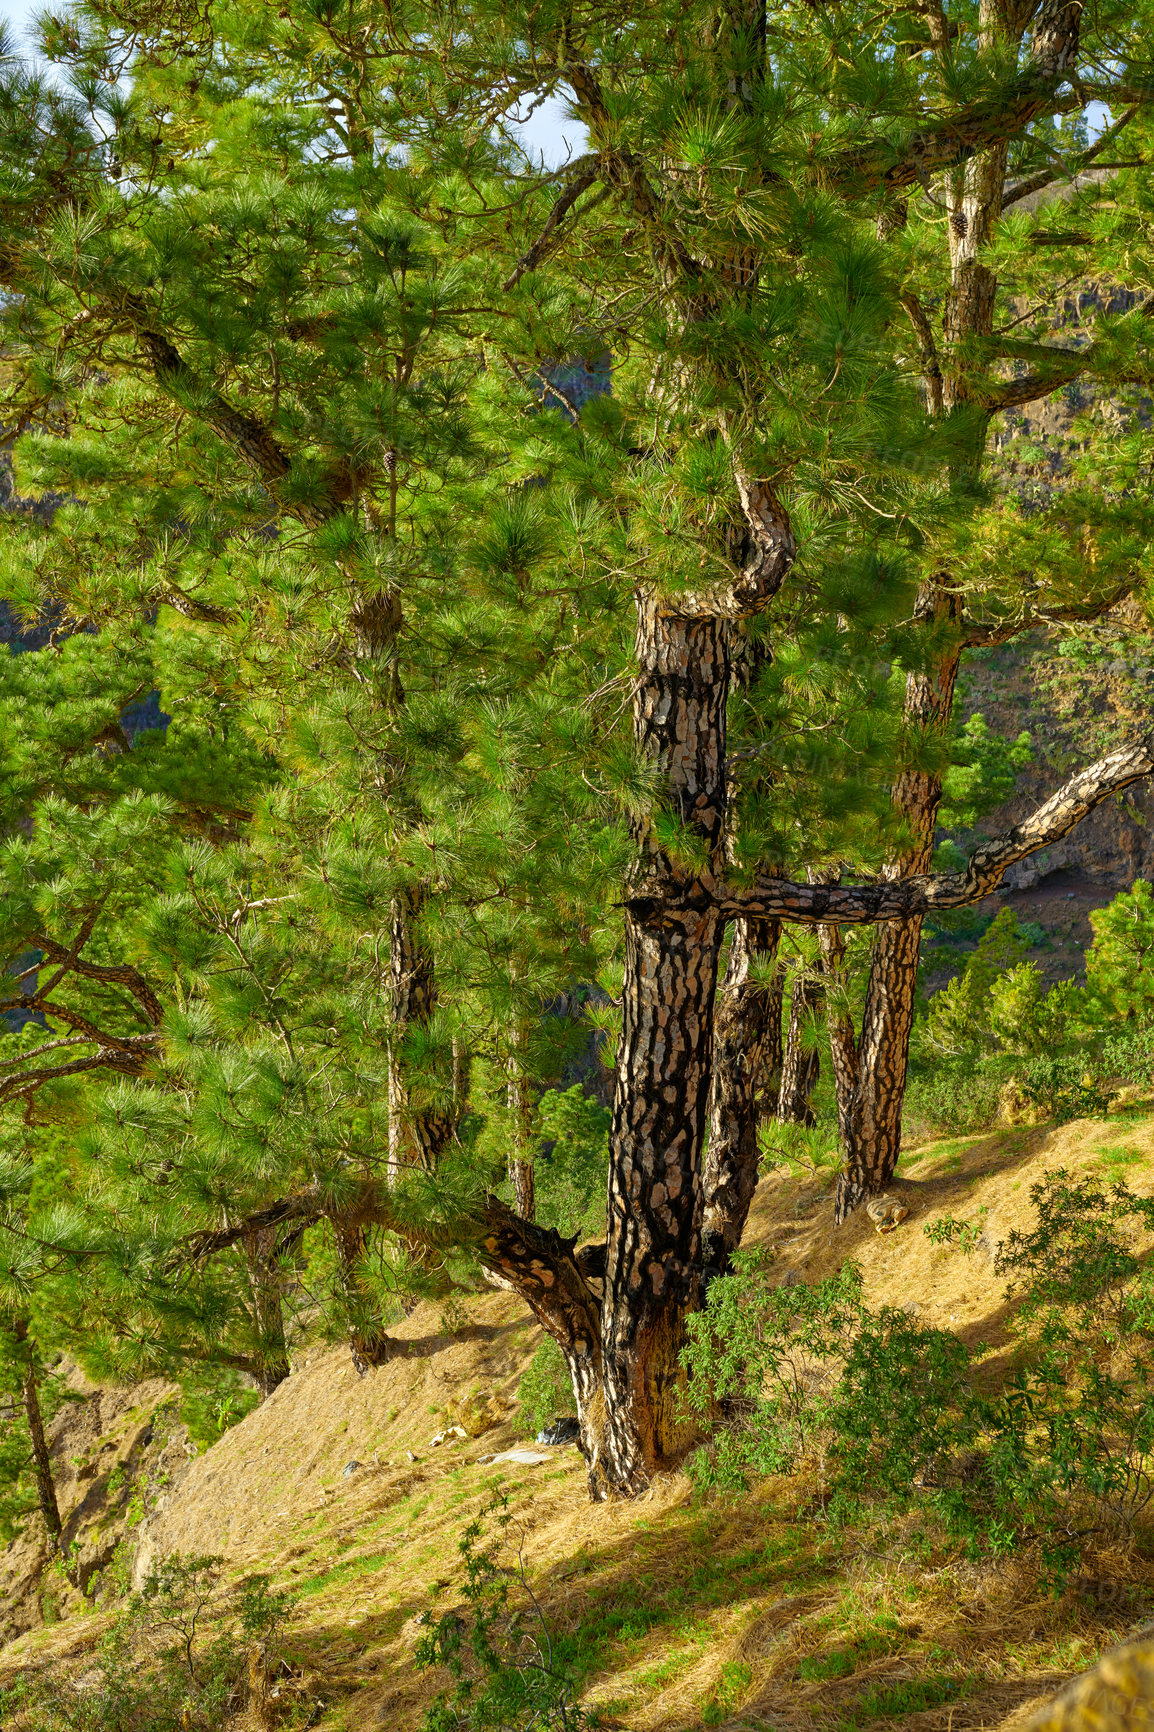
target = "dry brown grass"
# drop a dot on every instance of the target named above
(684, 1616)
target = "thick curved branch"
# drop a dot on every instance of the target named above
(978, 634)
(112, 974)
(899, 899)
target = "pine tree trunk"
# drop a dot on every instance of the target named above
(623, 1345)
(747, 1060)
(417, 1134)
(521, 1174)
(872, 1127)
(41, 1459)
(661, 1097)
(262, 1251)
(843, 1047)
(800, 1066)
(368, 1343)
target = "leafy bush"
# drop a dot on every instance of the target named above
(545, 1391)
(1130, 1055)
(787, 1377)
(804, 1372)
(177, 1658)
(957, 1096)
(1066, 1086)
(507, 1672)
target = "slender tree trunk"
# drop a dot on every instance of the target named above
(418, 1133)
(747, 1060)
(41, 1459)
(801, 1065)
(368, 1343)
(871, 1124)
(520, 1103)
(262, 1252)
(843, 1047)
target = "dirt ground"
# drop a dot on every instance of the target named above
(689, 1614)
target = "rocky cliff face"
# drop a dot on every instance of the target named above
(1078, 697)
(116, 1453)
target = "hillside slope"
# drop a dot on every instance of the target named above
(752, 1613)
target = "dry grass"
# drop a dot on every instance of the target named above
(679, 1616)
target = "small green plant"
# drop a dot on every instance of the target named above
(966, 1235)
(508, 1674)
(182, 1655)
(545, 1391)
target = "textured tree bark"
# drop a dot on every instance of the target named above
(871, 1120)
(661, 1097)
(747, 1059)
(800, 1065)
(923, 893)
(41, 1458)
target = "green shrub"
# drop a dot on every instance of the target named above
(874, 1404)
(957, 1096)
(1066, 1086)
(507, 1669)
(179, 1657)
(545, 1391)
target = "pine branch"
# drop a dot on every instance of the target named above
(114, 974)
(1056, 367)
(905, 898)
(251, 438)
(127, 1060)
(549, 238)
(1047, 176)
(952, 141)
(988, 635)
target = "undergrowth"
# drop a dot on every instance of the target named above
(809, 1377)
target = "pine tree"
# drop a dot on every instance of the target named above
(487, 656)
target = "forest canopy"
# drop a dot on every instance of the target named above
(482, 710)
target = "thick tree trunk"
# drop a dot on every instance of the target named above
(747, 1060)
(653, 1261)
(801, 1065)
(41, 1459)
